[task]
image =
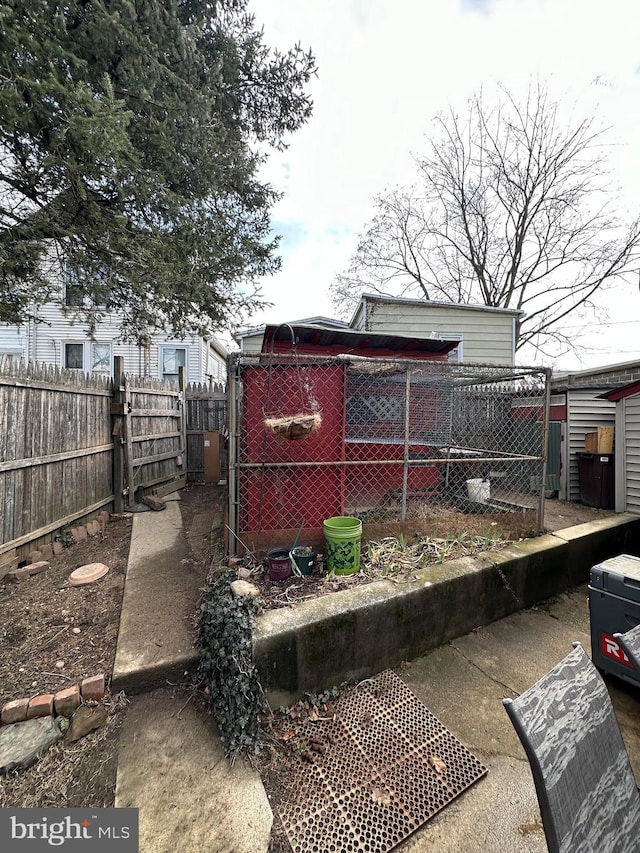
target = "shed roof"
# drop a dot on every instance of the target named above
(620, 393)
(353, 342)
(318, 320)
(404, 300)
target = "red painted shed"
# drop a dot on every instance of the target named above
(287, 484)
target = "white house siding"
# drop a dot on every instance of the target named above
(45, 342)
(487, 334)
(585, 413)
(252, 344)
(215, 362)
(628, 455)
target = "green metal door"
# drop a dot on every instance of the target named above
(553, 456)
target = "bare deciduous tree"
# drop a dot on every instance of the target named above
(513, 209)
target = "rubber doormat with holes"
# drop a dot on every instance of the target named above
(382, 766)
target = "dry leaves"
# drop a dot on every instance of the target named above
(437, 763)
(379, 795)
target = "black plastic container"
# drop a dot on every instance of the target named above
(596, 474)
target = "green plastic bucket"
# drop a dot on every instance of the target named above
(342, 536)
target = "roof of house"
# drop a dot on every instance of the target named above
(349, 341)
(597, 371)
(403, 300)
(609, 375)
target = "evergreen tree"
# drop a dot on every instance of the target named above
(131, 132)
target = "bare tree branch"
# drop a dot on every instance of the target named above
(512, 208)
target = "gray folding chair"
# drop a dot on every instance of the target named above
(586, 789)
(629, 642)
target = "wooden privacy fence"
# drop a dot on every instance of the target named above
(71, 444)
(56, 450)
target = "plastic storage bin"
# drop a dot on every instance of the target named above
(614, 606)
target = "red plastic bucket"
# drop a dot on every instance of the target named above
(279, 563)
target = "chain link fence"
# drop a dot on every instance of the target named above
(396, 443)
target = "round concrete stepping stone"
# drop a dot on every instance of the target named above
(88, 574)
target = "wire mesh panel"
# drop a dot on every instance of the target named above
(384, 440)
(287, 482)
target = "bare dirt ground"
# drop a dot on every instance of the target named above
(47, 622)
(560, 514)
(37, 632)
(441, 534)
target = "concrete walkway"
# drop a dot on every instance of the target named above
(172, 768)
(160, 597)
(171, 765)
(463, 684)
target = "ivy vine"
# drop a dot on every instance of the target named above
(226, 667)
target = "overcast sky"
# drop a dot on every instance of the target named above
(385, 69)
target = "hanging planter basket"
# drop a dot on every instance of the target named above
(294, 427)
(298, 425)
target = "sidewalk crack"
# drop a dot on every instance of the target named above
(486, 674)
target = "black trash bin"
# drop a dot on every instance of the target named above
(596, 476)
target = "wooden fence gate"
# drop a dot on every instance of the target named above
(206, 430)
(149, 431)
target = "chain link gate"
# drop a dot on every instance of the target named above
(387, 441)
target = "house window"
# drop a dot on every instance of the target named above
(455, 355)
(73, 295)
(73, 292)
(91, 356)
(101, 358)
(74, 356)
(77, 288)
(173, 358)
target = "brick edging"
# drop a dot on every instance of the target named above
(60, 704)
(37, 561)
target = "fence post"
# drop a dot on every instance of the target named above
(182, 401)
(128, 435)
(545, 447)
(405, 455)
(233, 376)
(117, 429)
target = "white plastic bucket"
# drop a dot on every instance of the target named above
(479, 490)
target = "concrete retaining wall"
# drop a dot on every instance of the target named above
(352, 634)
